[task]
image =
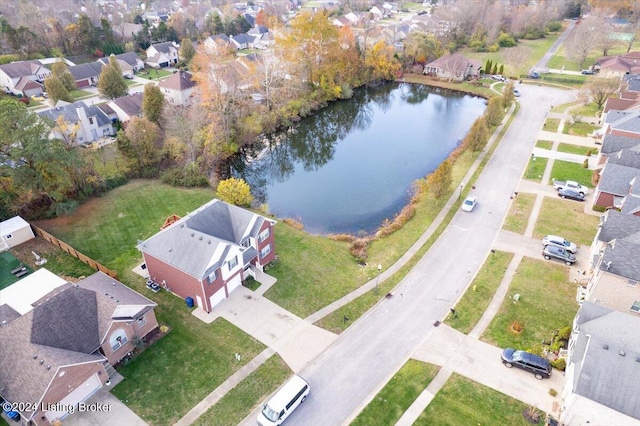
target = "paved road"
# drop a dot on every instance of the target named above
(542, 63)
(367, 354)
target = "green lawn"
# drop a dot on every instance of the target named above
(563, 59)
(518, 216)
(476, 299)
(565, 170)
(547, 302)
(544, 144)
(397, 395)
(463, 402)
(575, 225)
(576, 149)
(153, 74)
(58, 261)
(579, 128)
(535, 168)
(79, 94)
(551, 124)
(246, 395)
(8, 262)
(589, 110)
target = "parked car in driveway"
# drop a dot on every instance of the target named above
(516, 93)
(469, 203)
(535, 364)
(556, 241)
(571, 194)
(551, 252)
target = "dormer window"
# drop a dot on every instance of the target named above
(233, 262)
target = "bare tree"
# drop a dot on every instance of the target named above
(581, 42)
(599, 89)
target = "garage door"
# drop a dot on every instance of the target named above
(217, 297)
(82, 83)
(234, 283)
(81, 393)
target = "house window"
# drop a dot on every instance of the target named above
(263, 235)
(233, 263)
(632, 283)
(90, 120)
(142, 321)
(265, 251)
(635, 307)
(117, 339)
(8, 236)
(212, 276)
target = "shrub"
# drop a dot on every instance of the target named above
(553, 392)
(189, 177)
(296, 223)
(564, 333)
(554, 26)
(560, 364)
(359, 249)
(585, 163)
(505, 40)
(588, 154)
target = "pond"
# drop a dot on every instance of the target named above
(351, 165)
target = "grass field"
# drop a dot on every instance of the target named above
(575, 225)
(535, 168)
(544, 144)
(153, 74)
(463, 402)
(476, 299)
(397, 395)
(244, 397)
(579, 128)
(547, 302)
(576, 149)
(79, 94)
(8, 262)
(518, 216)
(565, 170)
(551, 124)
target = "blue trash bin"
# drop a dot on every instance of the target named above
(189, 301)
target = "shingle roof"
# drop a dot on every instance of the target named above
(243, 38)
(26, 83)
(616, 179)
(631, 206)
(626, 157)
(619, 104)
(602, 373)
(614, 143)
(454, 62)
(617, 225)
(180, 80)
(164, 47)
(21, 68)
(626, 63)
(199, 242)
(622, 259)
(70, 113)
(130, 104)
(84, 71)
(7, 314)
(624, 120)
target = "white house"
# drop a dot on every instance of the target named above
(21, 73)
(89, 123)
(161, 55)
(178, 88)
(13, 232)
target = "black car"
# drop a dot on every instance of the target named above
(572, 194)
(551, 252)
(539, 366)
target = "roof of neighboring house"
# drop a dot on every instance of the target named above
(626, 157)
(616, 179)
(621, 258)
(70, 113)
(249, 18)
(633, 84)
(624, 120)
(619, 226)
(130, 58)
(243, 38)
(84, 71)
(614, 143)
(7, 314)
(199, 242)
(619, 104)
(454, 61)
(21, 68)
(631, 206)
(180, 80)
(130, 104)
(26, 83)
(258, 29)
(165, 47)
(605, 356)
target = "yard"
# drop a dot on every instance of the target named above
(551, 124)
(535, 168)
(546, 303)
(577, 149)
(153, 73)
(397, 395)
(518, 216)
(565, 170)
(476, 299)
(579, 128)
(7, 263)
(544, 144)
(242, 399)
(575, 225)
(463, 402)
(562, 60)
(79, 94)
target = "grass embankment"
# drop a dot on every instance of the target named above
(518, 217)
(463, 402)
(575, 225)
(397, 395)
(546, 303)
(476, 299)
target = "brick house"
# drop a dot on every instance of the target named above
(59, 339)
(207, 254)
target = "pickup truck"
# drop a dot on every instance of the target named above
(570, 184)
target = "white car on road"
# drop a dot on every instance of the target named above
(469, 203)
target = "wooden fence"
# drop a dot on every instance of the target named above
(73, 252)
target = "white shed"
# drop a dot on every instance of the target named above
(13, 232)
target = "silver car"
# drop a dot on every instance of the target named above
(556, 241)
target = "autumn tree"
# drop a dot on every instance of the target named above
(507, 95)
(599, 89)
(439, 182)
(56, 90)
(140, 144)
(235, 191)
(478, 135)
(187, 51)
(421, 48)
(495, 110)
(152, 103)
(60, 70)
(381, 63)
(111, 84)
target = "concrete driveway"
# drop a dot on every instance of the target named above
(118, 413)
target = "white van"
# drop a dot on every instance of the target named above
(283, 402)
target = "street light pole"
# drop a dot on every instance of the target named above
(460, 194)
(378, 277)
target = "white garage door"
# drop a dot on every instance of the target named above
(217, 297)
(79, 394)
(234, 283)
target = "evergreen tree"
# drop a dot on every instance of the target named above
(152, 103)
(56, 90)
(187, 51)
(111, 84)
